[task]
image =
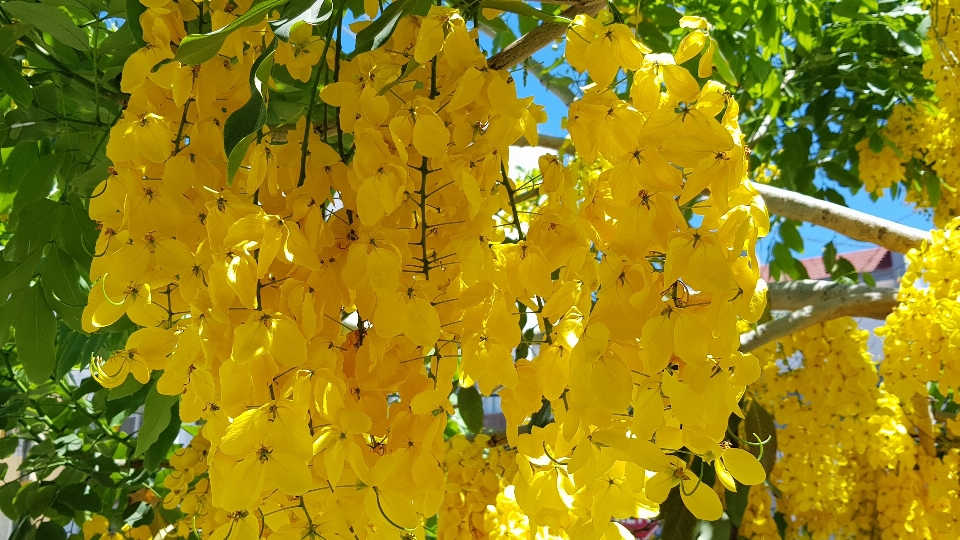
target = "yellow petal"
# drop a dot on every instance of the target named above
(423, 323)
(430, 135)
(690, 46)
(744, 466)
(703, 503)
(429, 40)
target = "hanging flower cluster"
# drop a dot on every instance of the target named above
(316, 313)
(926, 132)
(853, 462)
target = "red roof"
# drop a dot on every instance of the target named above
(867, 260)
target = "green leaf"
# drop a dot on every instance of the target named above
(36, 331)
(14, 83)
(521, 8)
(910, 42)
(933, 190)
(127, 388)
(23, 528)
(37, 184)
(470, 406)
(10, 33)
(18, 276)
(723, 66)
(16, 165)
(301, 11)
(836, 171)
(52, 21)
(38, 500)
(7, 493)
(408, 68)
(868, 279)
(134, 10)
(156, 67)
(617, 16)
(66, 290)
(89, 180)
(69, 351)
(236, 156)
(543, 416)
(80, 498)
(781, 522)
(791, 237)
(715, 530)
(49, 530)
(8, 445)
(156, 418)
(759, 423)
(246, 121)
(737, 503)
(678, 522)
(198, 48)
(379, 31)
(134, 516)
(796, 149)
(452, 429)
(61, 275)
(159, 450)
(829, 256)
(39, 220)
(78, 233)
(252, 116)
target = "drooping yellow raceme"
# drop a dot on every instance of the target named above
(879, 171)
(850, 466)
(926, 131)
(316, 313)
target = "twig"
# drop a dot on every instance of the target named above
(513, 203)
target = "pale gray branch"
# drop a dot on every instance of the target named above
(874, 302)
(848, 222)
(793, 295)
(540, 37)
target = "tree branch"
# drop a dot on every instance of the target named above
(546, 141)
(873, 302)
(540, 37)
(793, 295)
(848, 222)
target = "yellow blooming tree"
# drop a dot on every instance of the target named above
(287, 238)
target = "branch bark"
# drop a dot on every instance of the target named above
(873, 302)
(540, 37)
(848, 222)
(546, 141)
(793, 295)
